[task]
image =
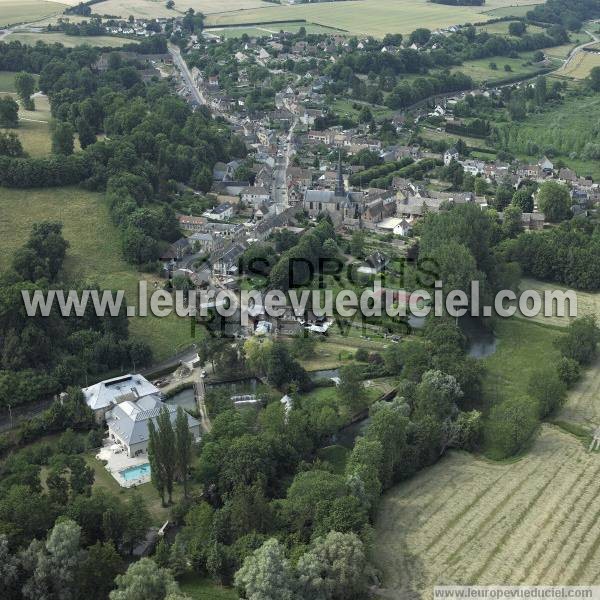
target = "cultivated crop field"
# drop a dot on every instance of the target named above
(24, 11)
(156, 8)
(470, 521)
(373, 17)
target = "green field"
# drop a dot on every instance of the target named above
(268, 29)
(204, 589)
(502, 28)
(26, 11)
(364, 17)
(94, 254)
(69, 41)
(481, 71)
(345, 107)
(508, 370)
(509, 11)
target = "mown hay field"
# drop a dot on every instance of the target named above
(581, 65)
(470, 521)
(533, 520)
(26, 11)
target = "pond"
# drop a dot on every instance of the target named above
(482, 341)
(184, 398)
(324, 374)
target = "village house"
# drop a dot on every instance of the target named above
(222, 212)
(128, 422)
(190, 223)
(101, 396)
(255, 196)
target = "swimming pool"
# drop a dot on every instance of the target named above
(138, 472)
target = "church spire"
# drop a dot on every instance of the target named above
(339, 188)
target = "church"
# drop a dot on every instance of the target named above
(339, 204)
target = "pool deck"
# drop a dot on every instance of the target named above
(117, 460)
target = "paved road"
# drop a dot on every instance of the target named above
(175, 52)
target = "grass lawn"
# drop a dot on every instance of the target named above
(503, 26)
(364, 17)
(94, 255)
(509, 11)
(351, 108)
(26, 11)
(523, 347)
(69, 41)
(203, 589)
(480, 69)
(336, 456)
(104, 480)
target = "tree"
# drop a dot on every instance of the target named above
(554, 201)
(266, 574)
(594, 79)
(437, 395)
(145, 580)
(334, 568)
(510, 425)
(53, 566)
(517, 28)
(62, 138)
(546, 387)
(162, 453)
(25, 86)
(350, 390)
(303, 344)
(183, 442)
(9, 113)
(85, 133)
(170, 4)
(512, 224)
(97, 571)
(10, 145)
(357, 244)
(523, 198)
(581, 340)
(568, 371)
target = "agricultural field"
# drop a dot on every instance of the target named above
(267, 29)
(7, 82)
(588, 303)
(13, 12)
(69, 41)
(501, 28)
(480, 69)
(94, 254)
(372, 17)
(580, 66)
(154, 8)
(509, 11)
(467, 520)
(34, 126)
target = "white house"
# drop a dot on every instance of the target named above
(255, 195)
(223, 212)
(102, 396)
(128, 423)
(450, 155)
(403, 228)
